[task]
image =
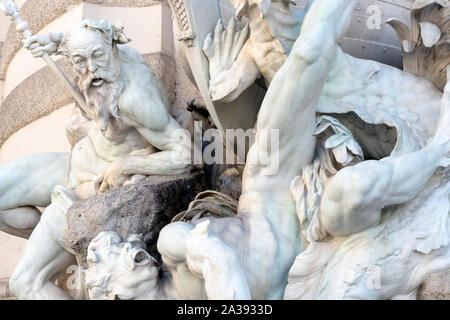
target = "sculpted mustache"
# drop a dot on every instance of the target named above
(98, 75)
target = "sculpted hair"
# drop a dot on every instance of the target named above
(104, 98)
(112, 34)
(336, 148)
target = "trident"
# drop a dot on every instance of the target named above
(10, 8)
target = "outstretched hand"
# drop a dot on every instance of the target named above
(40, 44)
(223, 51)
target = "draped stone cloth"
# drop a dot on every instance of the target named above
(208, 204)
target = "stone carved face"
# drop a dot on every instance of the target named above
(92, 50)
(92, 58)
(92, 54)
(119, 269)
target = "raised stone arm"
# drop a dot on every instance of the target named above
(290, 102)
(299, 82)
(354, 198)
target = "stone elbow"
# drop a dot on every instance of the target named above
(18, 285)
(312, 47)
(306, 54)
(348, 189)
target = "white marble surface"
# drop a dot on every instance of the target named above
(347, 215)
(345, 228)
(129, 115)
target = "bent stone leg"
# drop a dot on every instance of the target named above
(28, 183)
(19, 222)
(47, 253)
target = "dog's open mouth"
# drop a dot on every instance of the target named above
(97, 82)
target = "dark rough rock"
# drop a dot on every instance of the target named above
(143, 208)
(226, 179)
(436, 287)
(229, 181)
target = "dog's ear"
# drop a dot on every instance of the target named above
(137, 240)
(118, 34)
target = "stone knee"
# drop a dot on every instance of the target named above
(24, 283)
(20, 221)
(44, 257)
(172, 241)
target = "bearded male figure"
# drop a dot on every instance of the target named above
(131, 134)
(249, 256)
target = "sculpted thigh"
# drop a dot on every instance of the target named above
(29, 181)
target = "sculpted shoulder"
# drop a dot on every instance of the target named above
(144, 100)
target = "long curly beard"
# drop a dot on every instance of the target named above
(103, 101)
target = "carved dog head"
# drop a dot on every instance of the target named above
(121, 269)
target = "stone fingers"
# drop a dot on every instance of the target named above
(218, 37)
(37, 44)
(104, 186)
(242, 38)
(207, 46)
(98, 183)
(229, 35)
(41, 40)
(29, 41)
(37, 52)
